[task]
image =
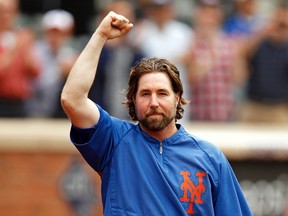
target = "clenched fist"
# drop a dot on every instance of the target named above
(114, 25)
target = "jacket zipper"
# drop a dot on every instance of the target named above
(161, 148)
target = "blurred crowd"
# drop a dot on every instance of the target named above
(234, 65)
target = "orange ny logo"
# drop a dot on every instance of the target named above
(195, 191)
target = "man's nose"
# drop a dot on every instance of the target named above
(154, 101)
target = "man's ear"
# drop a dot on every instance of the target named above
(177, 95)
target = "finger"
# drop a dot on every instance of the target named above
(127, 28)
(120, 22)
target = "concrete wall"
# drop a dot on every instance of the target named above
(42, 174)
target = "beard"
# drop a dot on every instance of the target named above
(157, 122)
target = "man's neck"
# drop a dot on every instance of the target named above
(161, 135)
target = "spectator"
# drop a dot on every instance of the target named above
(213, 64)
(243, 21)
(267, 87)
(160, 34)
(241, 24)
(56, 58)
(113, 69)
(18, 65)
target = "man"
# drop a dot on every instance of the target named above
(154, 167)
(56, 57)
(18, 63)
(212, 81)
(244, 20)
(267, 78)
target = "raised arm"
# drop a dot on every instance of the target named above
(80, 109)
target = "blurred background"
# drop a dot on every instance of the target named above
(233, 62)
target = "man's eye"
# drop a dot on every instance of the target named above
(163, 93)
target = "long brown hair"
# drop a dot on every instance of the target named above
(150, 65)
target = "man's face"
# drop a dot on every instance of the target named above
(56, 37)
(155, 101)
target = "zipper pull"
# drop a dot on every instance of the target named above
(161, 148)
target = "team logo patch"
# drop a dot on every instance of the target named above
(191, 192)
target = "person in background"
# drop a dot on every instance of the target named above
(56, 57)
(18, 64)
(213, 65)
(244, 20)
(160, 34)
(267, 81)
(241, 24)
(115, 62)
(153, 167)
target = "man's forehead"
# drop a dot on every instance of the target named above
(153, 76)
(154, 80)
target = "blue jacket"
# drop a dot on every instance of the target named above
(182, 175)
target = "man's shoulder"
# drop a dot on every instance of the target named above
(212, 150)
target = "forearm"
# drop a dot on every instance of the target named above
(250, 44)
(83, 72)
(197, 68)
(74, 98)
(6, 60)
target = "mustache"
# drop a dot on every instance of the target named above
(153, 112)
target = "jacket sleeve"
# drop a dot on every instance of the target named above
(96, 144)
(230, 199)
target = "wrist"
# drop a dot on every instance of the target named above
(99, 35)
(97, 40)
